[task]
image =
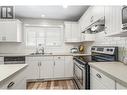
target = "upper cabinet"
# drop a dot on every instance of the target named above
(10, 30)
(116, 21)
(113, 20)
(92, 17)
(93, 14)
(72, 33)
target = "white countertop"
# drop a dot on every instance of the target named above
(60, 54)
(53, 54)
(8, 70)
(13, 54)
(114, 70)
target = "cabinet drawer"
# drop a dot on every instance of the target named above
(58, 57)
(109, 83)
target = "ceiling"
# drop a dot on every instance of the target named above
(72, 13)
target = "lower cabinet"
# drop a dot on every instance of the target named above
(33, 69)
(46, 68)
(49, 67)
(100, 81)
(16, 81)
(58, 66)
(68, 66)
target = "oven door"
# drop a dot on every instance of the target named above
(79, 75)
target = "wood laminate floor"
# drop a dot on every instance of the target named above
(54, 84)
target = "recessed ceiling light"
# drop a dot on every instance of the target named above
(42, 15)
(65, 6)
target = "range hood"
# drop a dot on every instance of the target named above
(95, 27)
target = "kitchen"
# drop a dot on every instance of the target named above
(82, 47)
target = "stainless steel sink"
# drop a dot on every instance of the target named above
(41, 54)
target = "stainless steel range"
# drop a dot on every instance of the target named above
(81, 63)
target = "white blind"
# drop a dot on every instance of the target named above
(48, 36)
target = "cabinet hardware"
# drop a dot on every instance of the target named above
(54, 63)
(10, 84)
(40, 63)
(98, 75)
(58, 57)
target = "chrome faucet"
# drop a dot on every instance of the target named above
(42, 50)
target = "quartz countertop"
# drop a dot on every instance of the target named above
(36, 55)
(59, 54)
(114, 70)
(9, 69)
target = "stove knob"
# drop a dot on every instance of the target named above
(107, 49)
(111, 49)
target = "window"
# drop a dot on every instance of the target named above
(48, 36)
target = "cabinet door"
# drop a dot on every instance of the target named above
(97, 12)
(46, 69)
(113, 20)
(11, 31)
(68, 66)
(67, 31)
(33, 68)
(95, 84)
(75, 35)
(120, 87)
(72, 33)
(58, 66)
(100, 81)
(86, 19)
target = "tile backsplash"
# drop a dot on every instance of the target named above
(101, 40)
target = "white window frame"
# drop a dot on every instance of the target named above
(62, 37)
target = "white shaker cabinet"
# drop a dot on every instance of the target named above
(39, 67)
(46, 67)
(99, 81)
(68, 66)
(92, 14)
(58, 66)
(97, 12)
(49, 67)
(113, 20)
(72, 33)
(10, 30)
(33, 68)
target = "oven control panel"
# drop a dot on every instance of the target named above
(105, 50)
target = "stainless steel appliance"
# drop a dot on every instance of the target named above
(81, 63)
(14, 60)
(81, 74)
(104, 53)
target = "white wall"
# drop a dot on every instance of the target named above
(21, 47)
